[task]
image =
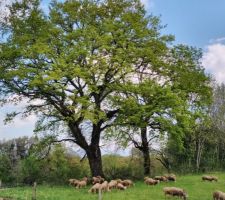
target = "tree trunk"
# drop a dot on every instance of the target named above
(146, 156)
(93, 150)
(146, 151)
(199, 146)
(95, 160)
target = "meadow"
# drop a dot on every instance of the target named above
(196, 189)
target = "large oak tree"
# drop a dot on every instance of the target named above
(75, 61)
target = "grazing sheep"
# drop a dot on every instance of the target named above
(150, 181)
(127, 183)
(214, 178)
(104, 186)
(81, 184)
(209, 178)
(121, 186)
(171, 177)
(161, 178)
(95, 188)
(73, 182)
(174, 191)
(85, 179)
(101, 179)
(112, 184)
(218, 195)
(97, 179)
(119, 180)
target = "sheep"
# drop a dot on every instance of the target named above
(95, 188)
(101, 179)
(214, 178)
(218, 195)
(150, 181)
(81, 184)
(71, 181)
(161, 178)
(209, 178)
(104, 186)
(174, 191)
(127, 183)
(171, 177)
(121, 186)
(112, 184)
(85, 179)
(97, 179)
(119, 180)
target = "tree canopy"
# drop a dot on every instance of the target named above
(77, 66)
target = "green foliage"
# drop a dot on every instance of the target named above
(101, 63)
(6, 169)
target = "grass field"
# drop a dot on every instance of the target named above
(196, 189)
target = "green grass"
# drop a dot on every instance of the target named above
(196, 189)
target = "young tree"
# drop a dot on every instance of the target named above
(71, 64)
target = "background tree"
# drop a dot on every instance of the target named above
(167, 102)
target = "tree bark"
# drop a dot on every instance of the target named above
(93, 150)
(199, 148)
(147, 168)
(95, 160)
(146, 151)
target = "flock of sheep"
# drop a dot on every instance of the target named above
(100, 184)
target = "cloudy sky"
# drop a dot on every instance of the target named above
(198, 23)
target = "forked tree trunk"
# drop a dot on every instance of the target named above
(93, 150)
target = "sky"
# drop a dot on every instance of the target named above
(198, 23)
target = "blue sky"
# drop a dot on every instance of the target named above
(198, 23)
(193, 22)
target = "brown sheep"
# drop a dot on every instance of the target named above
(127, 183)
(150, 181)
(112, 184)
(81, 184)
(161, 178)
(72, 181)
(97, 179)
(214, 178)
(105, 186)
(171, 177)
(101, 179)
(121, 186)
(85, 179)
(218, 195)
(209, 178)
(174, 191)
(95, 188)
(119, 180)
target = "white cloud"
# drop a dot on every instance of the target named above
(18, 128)
(214, 61)
(217, 40)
